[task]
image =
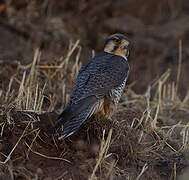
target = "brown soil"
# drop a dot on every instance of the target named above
(154, 144)
(78, 154)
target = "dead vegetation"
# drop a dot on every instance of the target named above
(148, 139)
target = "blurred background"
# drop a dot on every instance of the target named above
(154, 27)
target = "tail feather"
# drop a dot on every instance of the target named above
(72, 126)
(74, 115)
(62, 119)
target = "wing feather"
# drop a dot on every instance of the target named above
(99, 76)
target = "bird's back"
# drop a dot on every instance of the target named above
(98, 75)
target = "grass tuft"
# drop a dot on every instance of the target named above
(147, 138)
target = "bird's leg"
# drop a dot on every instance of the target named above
(107, 110)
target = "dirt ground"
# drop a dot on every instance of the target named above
(42, 46)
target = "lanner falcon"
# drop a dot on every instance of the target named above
(98, 86)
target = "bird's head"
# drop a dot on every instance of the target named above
(117, 44)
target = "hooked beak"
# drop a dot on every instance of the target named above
(127, 50)
(126, 46)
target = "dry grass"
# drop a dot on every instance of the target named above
(151, 144)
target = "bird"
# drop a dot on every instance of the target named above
(98, 86)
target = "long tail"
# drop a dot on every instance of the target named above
(74, 116)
